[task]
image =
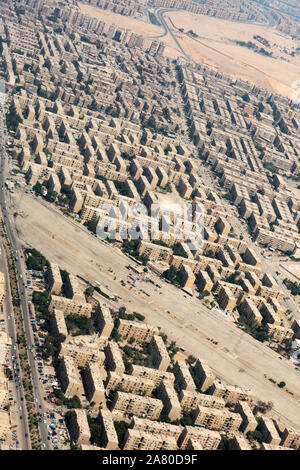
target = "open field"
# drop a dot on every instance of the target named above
(236, 358)
(215, 46)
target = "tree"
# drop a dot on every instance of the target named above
(35, 260)
(262, 407)
(191, 359)
(89, 291)
(281, 384)
(73, 402)
(224, 443)
(92, 225)
(121, 428)
(95, 430)
(254, 436)
(51, 195)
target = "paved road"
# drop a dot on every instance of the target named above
(18, 392)
(20, 266)
(160, 14)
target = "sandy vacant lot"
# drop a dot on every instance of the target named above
(236, 357)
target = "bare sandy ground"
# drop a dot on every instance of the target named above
(236, 357)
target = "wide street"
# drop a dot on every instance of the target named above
(20, 266)
(19, 408)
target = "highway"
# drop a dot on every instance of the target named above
(18, 392)
(21, 270)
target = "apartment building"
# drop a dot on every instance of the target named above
(226, 298)
(155, 252)
(136, 439)
(183, 376)
(58, 324)
(231, 393)
(209, 440)
(155, 427)
(249, 422)
(268, 430)
(5, 423)
(69, 377)
(168, 396)
(79, 427)
(279, 333)
(93, 384)
(155, 375)
(217, 419)
(104, 320)
(84, 350)
(70, 306)
(109, 438)
(205, 282)
(249, 311)
(144, 407)
(238, 442)
(5, 346)
(265, 446)
(73, 288)
(189, 400)
(54, 280)
(4, 385)
(128, 383)
(159, 353)
(290, 438)
(139, 331)
(2, 287)
(113, 358)
(205, 375)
